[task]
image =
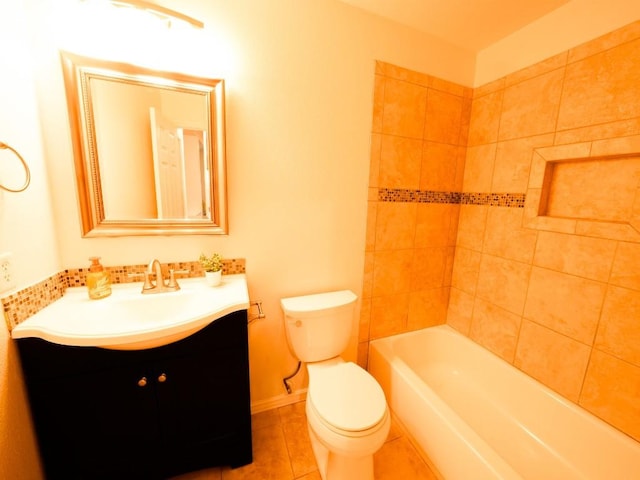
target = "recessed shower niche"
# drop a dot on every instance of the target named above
(590, 188)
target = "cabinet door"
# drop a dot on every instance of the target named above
(97, 426)
(204, 400)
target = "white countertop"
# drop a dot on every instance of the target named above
(129, 320)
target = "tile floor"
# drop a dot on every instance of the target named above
(281, 451)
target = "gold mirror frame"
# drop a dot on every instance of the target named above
(78, 74)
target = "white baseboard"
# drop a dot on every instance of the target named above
(278, 401)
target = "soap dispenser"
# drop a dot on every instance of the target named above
(98, 281)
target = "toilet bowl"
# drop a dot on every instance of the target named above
(348, 419)
(347, 414)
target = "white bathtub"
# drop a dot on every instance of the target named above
(477, 417)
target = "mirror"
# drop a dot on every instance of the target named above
(149, 149)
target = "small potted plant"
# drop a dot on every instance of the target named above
(212, 265)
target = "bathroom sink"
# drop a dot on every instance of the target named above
(129, 320)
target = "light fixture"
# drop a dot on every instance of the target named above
(165, 13)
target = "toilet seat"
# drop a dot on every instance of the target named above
(346, 398)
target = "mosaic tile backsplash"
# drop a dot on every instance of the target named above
(21, 305)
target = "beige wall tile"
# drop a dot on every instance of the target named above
(444, 111)
(628, 144)
(466, 268)
(438, 169)
(405, 105)
(564, 152)
(554, 359)
(400, 160)
(531, 107)
(478, 168)
(615, 231)
(602, 130)
(453, 225)
(565, 303)
(427, 269)
(471, 225)
(553, 224)
(395, 225)
(582, 256)
(611, 392)
(365, 320)
(427, 308)
(485, 118)
(505, 237)
(513, 163)
(503, 282)
(448, 271)
(460, 310)
(619, 331)
(625, 271)
(392, 272)
(388, 315)
(363, 354)
(495, 329)
(609, 75)
(433, 224)
(465, 122)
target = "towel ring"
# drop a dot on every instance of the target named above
(4, 146)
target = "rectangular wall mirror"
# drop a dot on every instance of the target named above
(149, 149)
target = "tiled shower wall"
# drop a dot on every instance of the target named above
(563, 307)
(420, 127)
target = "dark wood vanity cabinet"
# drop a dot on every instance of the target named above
(143, 414)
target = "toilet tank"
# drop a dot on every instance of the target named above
(318, 326)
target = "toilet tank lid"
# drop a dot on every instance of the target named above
(317, 302)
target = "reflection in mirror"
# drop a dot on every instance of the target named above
(149, 149)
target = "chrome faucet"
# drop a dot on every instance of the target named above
(159, 286)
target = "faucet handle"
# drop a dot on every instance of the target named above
(173, 283)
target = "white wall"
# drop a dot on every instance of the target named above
(26, 230)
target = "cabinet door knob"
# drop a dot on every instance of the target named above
(162, 378)
(142, 382)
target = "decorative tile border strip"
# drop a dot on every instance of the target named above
(514, 200)
(21, 305)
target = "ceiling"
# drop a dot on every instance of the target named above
(470, 24)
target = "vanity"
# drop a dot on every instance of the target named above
(140, 386)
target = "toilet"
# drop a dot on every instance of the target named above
(347, 414)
